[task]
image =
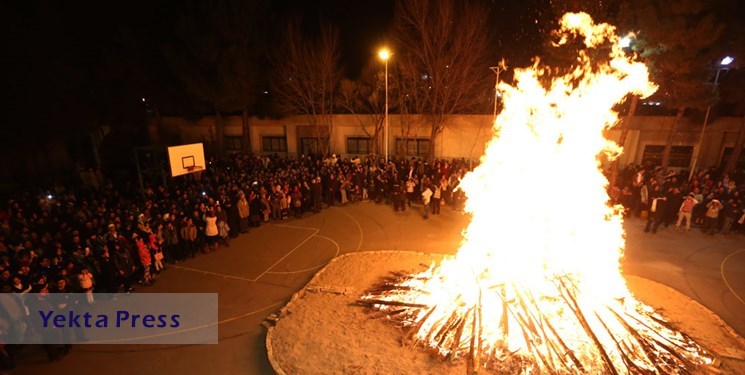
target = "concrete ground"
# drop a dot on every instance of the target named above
(260, 271)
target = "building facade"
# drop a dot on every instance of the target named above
(464, 137)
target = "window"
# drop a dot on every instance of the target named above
(233, 143)
(313, 145)
(680, 156)
(412, 147)
(274, 144)
(727, 154)
(359, 146)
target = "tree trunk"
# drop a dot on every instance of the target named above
(432, 137)
(246, 138)
(735, 157)
(625, 125)
(220, 134)
(671, 138)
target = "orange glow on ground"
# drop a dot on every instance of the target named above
(536, 284)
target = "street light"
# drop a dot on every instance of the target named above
(497, 69)
(722, 65)
(384, 55)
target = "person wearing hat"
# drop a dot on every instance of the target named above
(685, 211)
(712, 216)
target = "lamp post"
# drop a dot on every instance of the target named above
(497, 69)
(722, 65)
(384, 55)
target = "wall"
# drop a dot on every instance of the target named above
(465, 135)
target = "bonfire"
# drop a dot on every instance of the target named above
(536, 285)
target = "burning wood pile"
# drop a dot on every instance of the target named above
(536, 285)
(557, 334)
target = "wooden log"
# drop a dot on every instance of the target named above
(643, 344)
(370, 302)
(574, 306)
(471, 365)
(626, 361)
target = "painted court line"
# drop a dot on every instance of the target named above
(338, 249)
(359, 227)
(315, 231)
(724, 278)
(211, 273)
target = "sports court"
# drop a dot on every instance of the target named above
(261, 270)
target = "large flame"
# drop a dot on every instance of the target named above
(537, 275)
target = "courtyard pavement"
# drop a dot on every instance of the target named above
(260, 271)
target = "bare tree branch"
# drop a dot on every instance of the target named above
(442, 49)
(307, 75)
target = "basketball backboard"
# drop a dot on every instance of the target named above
(186, 159)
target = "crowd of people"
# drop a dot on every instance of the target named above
(110, 238)
(706, 200)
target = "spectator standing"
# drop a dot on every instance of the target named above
(426, 196)
(398, 199)
(685, 211)
(211, 232)
(436, 197)
(171, 243)
(124, 267)
(243, 212)
(107, 273)
(189, 237)
(656, 211)
(223, 229)
(297, 202)
(316, 190)
(712, 216)
(145, 259)
(85, 280)
(255, 209)
(730, 213)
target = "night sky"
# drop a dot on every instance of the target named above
(71, 66)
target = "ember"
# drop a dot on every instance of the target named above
(536, 285)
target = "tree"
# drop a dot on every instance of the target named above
(306, 77)
(733, 88)
(365, 99)
(442, 56)
(732, 85)
(679, 40)
(219, 57)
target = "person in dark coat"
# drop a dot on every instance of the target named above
(234, 219)
(657, 210)
(255, 209)
(106, 282)
(316, 190)
(332, 188)
(125, 266)
(39, 300)
(398, 196)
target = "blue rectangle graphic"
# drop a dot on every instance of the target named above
(143, 318)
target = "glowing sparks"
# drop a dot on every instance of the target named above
(536, 283)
